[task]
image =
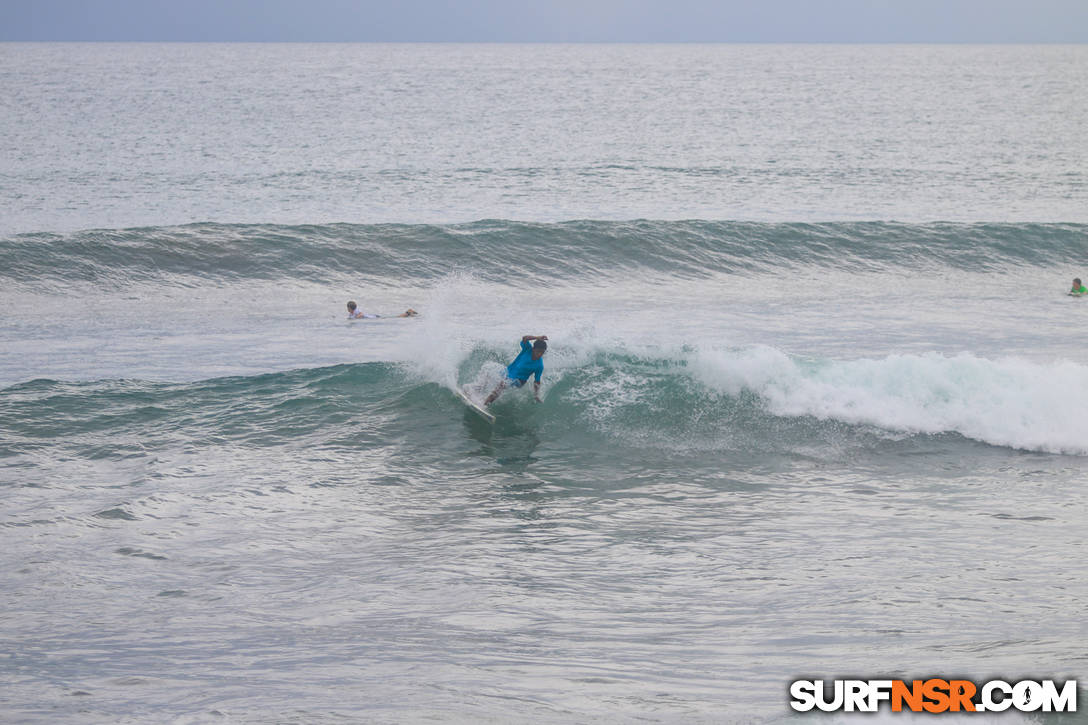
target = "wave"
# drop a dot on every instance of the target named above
(505, 251)
(752, 400)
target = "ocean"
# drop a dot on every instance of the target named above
(813, 404)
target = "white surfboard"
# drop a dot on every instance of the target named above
(474, 406)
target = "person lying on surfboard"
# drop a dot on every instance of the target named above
(1078, 289)
(356, 314)
(527, 363)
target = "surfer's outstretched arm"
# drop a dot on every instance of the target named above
(534, 337)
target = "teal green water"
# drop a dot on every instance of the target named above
(500, 251)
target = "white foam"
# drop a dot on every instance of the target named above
(1008, 402)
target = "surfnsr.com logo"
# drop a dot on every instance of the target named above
(933, 695)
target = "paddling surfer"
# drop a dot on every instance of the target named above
(354, 313)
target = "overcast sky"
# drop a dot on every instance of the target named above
(849, 21)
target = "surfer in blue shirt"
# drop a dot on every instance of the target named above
(527, 363)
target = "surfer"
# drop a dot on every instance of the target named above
(354, 313)
(1078, 288)
(527, 363)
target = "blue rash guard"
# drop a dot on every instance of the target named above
(524, 365)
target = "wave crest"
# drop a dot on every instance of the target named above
(504, 251)
(743, 400)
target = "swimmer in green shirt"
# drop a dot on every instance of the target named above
(1078, 289)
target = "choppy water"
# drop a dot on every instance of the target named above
(813, 404)
(107, 136)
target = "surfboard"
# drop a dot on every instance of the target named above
(474, 406)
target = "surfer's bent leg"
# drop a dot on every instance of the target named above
(495, 393)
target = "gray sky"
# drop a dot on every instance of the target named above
(848, 21)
